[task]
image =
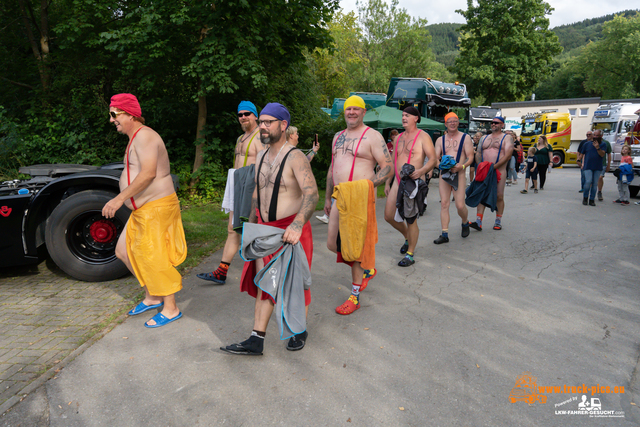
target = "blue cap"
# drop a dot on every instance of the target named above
(278, 111)
(499, 118)
(248, 106)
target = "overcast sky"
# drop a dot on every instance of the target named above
(566, 11)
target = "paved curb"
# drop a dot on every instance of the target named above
(42, 379)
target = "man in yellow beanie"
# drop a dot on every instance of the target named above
(354, 154)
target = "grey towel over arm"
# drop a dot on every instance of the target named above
(285, 277)
(244, 183)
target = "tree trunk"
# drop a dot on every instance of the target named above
(41, 49)
(202, 122)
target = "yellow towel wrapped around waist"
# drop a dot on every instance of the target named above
(156, 245)
(355, 202)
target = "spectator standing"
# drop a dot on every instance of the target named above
(592, 155)
(544, 158)
(531, 171)
(606, 161)
(579, 160)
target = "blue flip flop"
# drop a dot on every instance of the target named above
(142, 307)
(161, 320)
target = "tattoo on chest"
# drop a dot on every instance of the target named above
(267, 178)
(451, 143)
(346, 145)
(491, 142)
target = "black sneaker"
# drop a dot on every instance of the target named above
(297, 341)
(251, 347)
(592, 203)
(618, 201)
(585, 201)
(442, 239)
(404, 248)
(475, 226)
(465, 229)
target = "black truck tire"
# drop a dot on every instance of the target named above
(81, 241)
(558, 158)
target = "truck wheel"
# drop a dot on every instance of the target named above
(633, 191)
(81, 241)
(558, 158)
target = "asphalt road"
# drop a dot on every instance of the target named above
(441, 343)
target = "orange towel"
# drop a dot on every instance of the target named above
(358, 223)
(156, 245)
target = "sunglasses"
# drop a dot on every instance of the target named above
(115, 114)
(496, 123)
(245, 114)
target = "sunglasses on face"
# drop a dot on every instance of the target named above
(115, 114)
(496, 123)
(245, 114)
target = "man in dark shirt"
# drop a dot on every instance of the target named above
(592, 155)
(579, 160)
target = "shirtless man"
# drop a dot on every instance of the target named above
(412, 146)
(459, 146)
(247, 147)
(354, 154)
(153, 242)
(295, 200)
(497, 148)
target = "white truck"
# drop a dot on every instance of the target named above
(615, 121)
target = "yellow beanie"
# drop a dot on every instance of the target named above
(354, 101)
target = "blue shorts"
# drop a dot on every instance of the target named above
(533, 175)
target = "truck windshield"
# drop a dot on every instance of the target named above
(530, 128)
(479, 126)
(605, 127)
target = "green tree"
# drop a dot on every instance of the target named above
(335, 66)
(393, 44)
(612, 65)
(505, 48)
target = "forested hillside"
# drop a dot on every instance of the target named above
(574, 71)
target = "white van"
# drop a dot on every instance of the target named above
(615, 121)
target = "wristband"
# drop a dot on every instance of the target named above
(464, 166)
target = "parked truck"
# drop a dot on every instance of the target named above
(615, 121)
(556, 127)
(433, 99)
(480, 119)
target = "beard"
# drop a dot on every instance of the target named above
(271, 137)
(246, 126)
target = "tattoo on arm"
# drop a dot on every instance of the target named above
(382, 176)
(253, 217)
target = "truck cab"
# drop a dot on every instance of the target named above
(556, 127)
(480, 119)
(433, 99)
(615, 121)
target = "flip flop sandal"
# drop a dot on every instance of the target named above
(210, 277)
(406, 262)
(142, 307)
(497, 227)
(348, 307)
(297, 341)
(161, 320)
(475, 226)
(366, 276)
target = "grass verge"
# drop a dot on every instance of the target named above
(205, 228)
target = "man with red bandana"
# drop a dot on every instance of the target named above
(152, 243)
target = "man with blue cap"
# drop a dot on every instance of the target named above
(496, 148)
(285, 197)
(247, 147)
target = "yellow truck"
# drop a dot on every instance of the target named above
(556, 127)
